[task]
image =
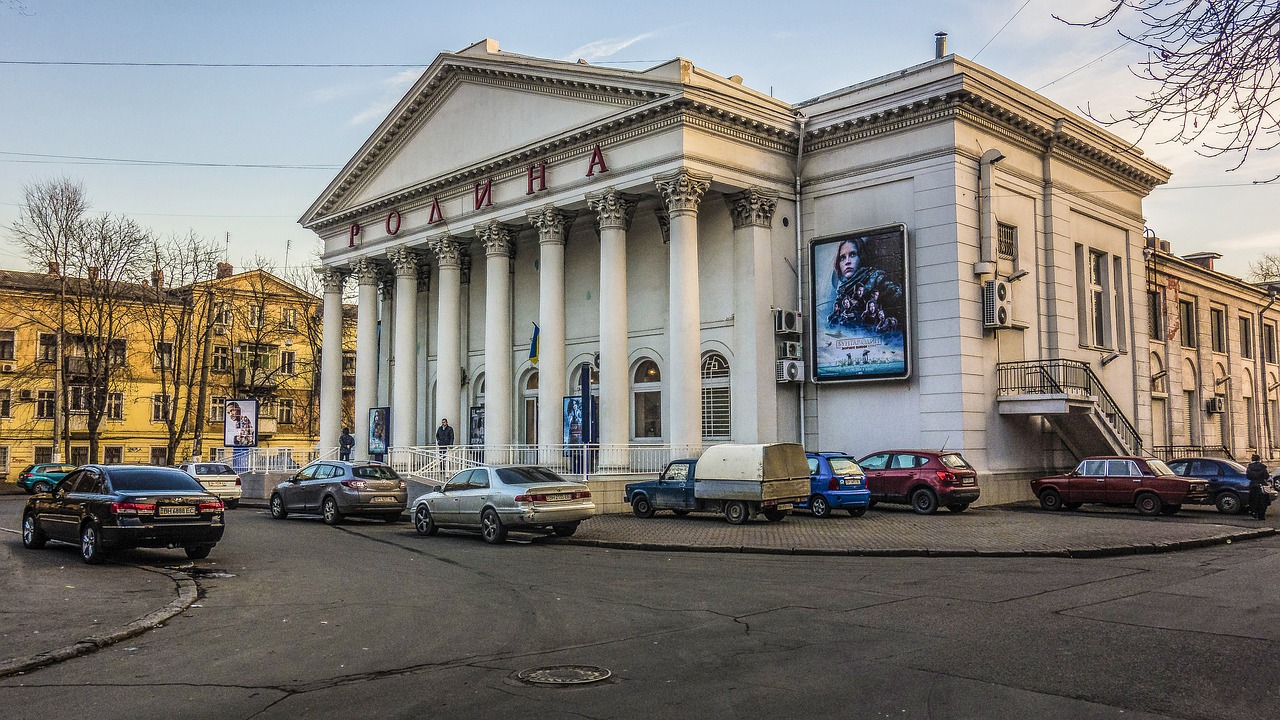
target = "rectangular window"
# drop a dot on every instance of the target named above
(288, 362)
(6, 344)
(160, 455)
(4, 459)
(43, 454)
(1269, 343)
(1187, 313)
(1007, 241)
(1155, 315)
(159, 407)
(164, 354)
(217, 408)
(285, 411)
(79, 454)
(1117, 306)
(289, 318)
(79, 398)
(716, 418)
(112, 455)
(44, 405)
(6, 399)
(255, 316)
(115, 406)
(47, 348)
(648, 414)
(1246, 338)
(221, 361)
(348, 362)
(1218, 329)
(222, 314)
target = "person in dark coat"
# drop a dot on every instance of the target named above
(444, 433)
(1258, 478)
(345, 442)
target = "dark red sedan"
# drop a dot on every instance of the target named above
(1145, 483)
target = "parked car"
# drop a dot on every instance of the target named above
(924, 479)
(337, 488)
(42, 477)
(1228, 486)
(493, 500)
(103, 507)
(739, 481)
(218, 478)
(1145, 483)
(836, 482)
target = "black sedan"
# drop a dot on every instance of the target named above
(1228, 487)
(102, 507)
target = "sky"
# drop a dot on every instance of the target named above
(127, 96)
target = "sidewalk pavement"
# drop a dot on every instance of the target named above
(95, 607)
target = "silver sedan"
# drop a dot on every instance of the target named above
(336, 489)
(492, 500)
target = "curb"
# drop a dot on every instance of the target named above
(188, 592)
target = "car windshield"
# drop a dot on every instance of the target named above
(153, 478)
(844, 466)
(216, 469)
(1158, 467)
(528, 476)
(955, 462)
(374, 472)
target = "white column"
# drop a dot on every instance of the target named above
(553, 226)
(682, 190)
(614, 210)
(366, 272)
(404, 386)
(754, 395)
(498, 385)
(448, 251)
(331, 359)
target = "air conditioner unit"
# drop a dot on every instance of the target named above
(6, 368)
(790, 371)
(997, 304)
(24, 395)
(786, 322)
(1215, 404)
(791, 351)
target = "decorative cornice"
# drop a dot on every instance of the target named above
(552, 224)
(404, 260)
(682, 190)
(752, 207)
(613, 208)
(332, 279)
(366, 271)
(449, 250)
(498, 239)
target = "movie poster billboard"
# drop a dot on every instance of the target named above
(379, 430)
(860, 306)
(240, 423)
(475, 432)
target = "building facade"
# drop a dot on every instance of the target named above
(937, 258)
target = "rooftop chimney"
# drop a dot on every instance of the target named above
(93, 273)
(1203, 259)
(53, 268)
(939, 45)
(224, 270)
(157, 277)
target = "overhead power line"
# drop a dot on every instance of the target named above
(76, 63)
(47, 159)
(1002, 27)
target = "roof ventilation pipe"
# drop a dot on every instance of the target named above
(939, 45)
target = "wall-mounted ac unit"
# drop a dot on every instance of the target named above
(791, 350)
(1215, 404)
(6, 367)
(997, 304)
(790, 371)
(24, 395)
(786, 322)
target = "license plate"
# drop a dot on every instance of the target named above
(175, 510)
(384, 499)
(558, 497)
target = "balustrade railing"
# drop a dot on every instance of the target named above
(1173, 452)
(1066, 377)
(438, 464)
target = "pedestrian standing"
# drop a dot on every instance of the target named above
(444, 433)
(1257, 475)
(345, 442)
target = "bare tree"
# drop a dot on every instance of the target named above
(1215, 69)
(311, 326)
(1266, 269)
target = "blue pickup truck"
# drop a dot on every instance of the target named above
(738, 481)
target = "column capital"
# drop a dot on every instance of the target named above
(498, 239)
(552, 224)
(404, 261)
(752, 207)
(449, 250)
(367, 271)
(682, 190)
(333, 279)
(613, 208)
(664, 224)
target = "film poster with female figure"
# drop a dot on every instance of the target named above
(860, 306)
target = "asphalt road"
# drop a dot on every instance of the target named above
(369, 620)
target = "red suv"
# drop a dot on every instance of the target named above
(923, 479)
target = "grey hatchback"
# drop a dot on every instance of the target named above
(336, 489)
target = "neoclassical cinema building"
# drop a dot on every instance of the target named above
(668, 226)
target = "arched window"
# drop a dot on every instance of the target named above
(646, 399)
(717, 421)
(529, 409)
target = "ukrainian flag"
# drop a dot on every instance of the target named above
(533, 345)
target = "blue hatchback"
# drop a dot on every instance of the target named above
(836, 481)
(1228, 487)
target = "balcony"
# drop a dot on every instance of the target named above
(1071, 397)
(256, 378)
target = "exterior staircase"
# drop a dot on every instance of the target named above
(1071, 397)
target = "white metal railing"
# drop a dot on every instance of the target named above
(437, 464)
(269, 459)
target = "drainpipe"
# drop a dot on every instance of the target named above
(986, 264)
(801, 120)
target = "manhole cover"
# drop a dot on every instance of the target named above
(563, 675)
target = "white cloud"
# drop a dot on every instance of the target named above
(604, 48)
(393, 88)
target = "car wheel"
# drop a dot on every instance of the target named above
(41, 487)
(857, 512)
(775, 515)
(566, 530)
(90, 543)
(1072, 505)
(1051, 500)
(1170, 509)
(641, 507)
(329, 508)
(1149, 503)
(491, 527)
(32, 538)
(958, 507)
(198, 552)
(680, 513)
(1229, 503)
(423, 522)
(736, 512)
(277, 507)
(819, 506)
(924, 502)
(232, 504)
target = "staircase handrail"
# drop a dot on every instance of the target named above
(1065, 376)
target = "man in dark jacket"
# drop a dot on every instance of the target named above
(444, 433)
(345, 442)
(1258, 478)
